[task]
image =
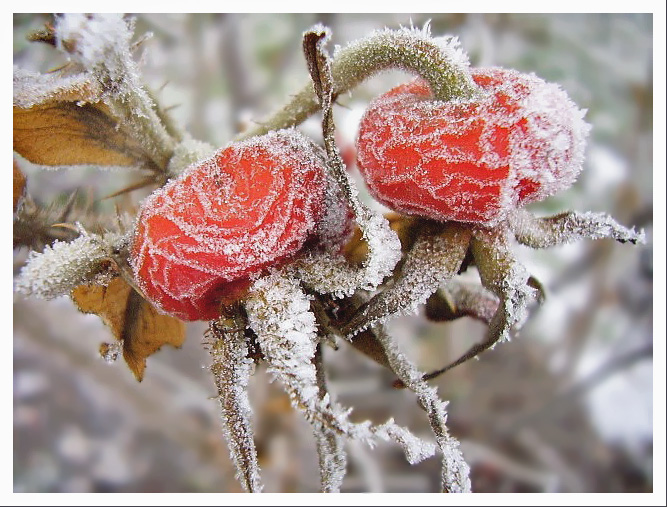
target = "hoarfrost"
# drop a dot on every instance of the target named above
(32, 88)
(279, 312)
(62, 266)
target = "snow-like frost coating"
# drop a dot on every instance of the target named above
(61, 266)
(471, 161)
(204, 235)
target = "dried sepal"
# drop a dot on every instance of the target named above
(503, 275)
(456, 299)
(289, 347)
(433, 259)
(330, 272)
(568, 227)
(455, 471)
(231, 368)
(132, 320)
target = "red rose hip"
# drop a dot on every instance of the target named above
(204, 236)
(521, 141)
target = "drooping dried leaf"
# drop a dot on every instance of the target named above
(64, 133)
(132, 319)
(19, 185)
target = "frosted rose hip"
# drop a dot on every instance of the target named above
(522, 141)
(201, 237)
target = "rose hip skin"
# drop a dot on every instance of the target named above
(520, 142)
(203, 237)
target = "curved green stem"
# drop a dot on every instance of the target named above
(441, 64)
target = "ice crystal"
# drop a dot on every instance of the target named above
(62, 266)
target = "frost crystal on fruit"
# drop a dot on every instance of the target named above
(203, 237)
(471, 160)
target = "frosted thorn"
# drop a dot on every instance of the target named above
(568, 227)
(433, 259)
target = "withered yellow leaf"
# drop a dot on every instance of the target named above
(65, 133)
(132, 319)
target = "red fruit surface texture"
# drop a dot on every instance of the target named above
(521, 141)
(203, 237)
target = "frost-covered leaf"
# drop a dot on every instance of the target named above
(231, 370)
(33, 88)
(433, 259)
(279, 312)
(455, 471)
(569, 227)
(131, 319)
(101, 45)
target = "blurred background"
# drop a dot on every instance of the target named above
(566, 406)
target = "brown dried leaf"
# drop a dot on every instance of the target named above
(65, 133)
(19, 185)
(132, 319)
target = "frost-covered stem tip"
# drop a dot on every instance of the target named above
(101, 43)
(439, 61)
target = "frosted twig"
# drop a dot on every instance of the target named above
(440, 62)
(569, 227)
(455, 471)
(231, 370)
(433, 259)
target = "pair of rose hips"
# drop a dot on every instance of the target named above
(203, 238)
